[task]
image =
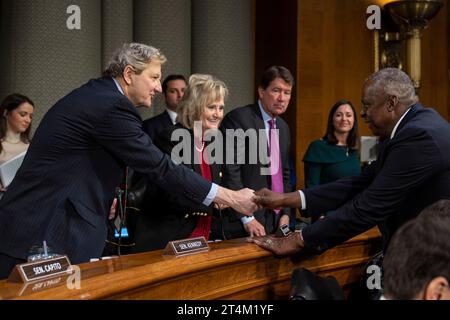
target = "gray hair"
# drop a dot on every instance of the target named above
(202, 90)
(137, 55)
(394, 82)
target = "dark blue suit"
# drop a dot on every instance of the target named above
(238, 176)
(65, 187)
(412, 171)
(155, 125)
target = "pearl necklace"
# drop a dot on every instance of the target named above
(11, 142)
(200, 149)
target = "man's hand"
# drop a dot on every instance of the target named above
(244, 201)
(241, 200)
(254, 228)
(273, 200)
(284, 220)
(2, 189)
(280, 246)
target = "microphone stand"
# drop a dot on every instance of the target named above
(119, 193)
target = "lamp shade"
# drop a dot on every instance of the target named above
(414, 13)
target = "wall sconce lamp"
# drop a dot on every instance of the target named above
(410, 18)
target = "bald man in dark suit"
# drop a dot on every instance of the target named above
(412, 171)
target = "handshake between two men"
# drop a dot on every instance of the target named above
(248, 201)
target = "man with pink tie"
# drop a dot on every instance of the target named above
(274, 94)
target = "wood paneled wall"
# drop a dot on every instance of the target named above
(333, 55)
(276, 44)
(434, 91)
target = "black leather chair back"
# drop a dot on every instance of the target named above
(306, 285)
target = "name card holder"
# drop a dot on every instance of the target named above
(41, 269)
(186, 246)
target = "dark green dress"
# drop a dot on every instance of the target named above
(326, 163)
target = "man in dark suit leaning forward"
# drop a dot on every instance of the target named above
(64, 189)
(274, 93)
(412, 171)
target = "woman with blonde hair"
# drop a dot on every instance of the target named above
(165, 216)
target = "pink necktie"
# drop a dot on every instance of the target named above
(275, 160)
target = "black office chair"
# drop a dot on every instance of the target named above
(306, 285)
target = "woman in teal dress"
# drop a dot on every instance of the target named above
(336, 155)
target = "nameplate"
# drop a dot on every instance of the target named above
(41, 269)
(187, 246)
(285, 230)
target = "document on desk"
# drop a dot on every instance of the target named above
(9, 169)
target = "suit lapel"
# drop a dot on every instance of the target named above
(167, 120)
(194, 166)
(382, 153)
(215, 168)
(283, 138)
(409, 116)
(260, 125)
(257, 118)
(385, 145)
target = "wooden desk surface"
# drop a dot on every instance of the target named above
(232, 269)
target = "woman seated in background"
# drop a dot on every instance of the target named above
(336, 155)
(16, 113)
(163, 216)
